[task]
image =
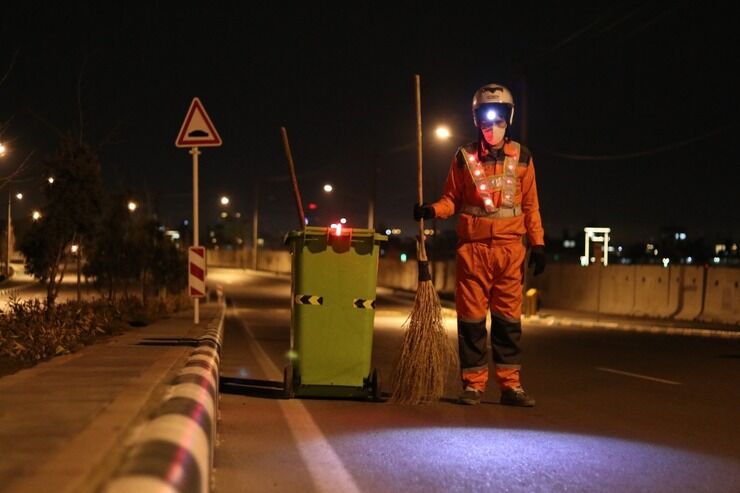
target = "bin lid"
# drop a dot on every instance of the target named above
(325, 231)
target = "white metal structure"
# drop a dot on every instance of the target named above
(596, 235)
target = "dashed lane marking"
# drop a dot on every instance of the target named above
(637, 375)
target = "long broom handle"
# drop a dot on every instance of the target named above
(419, 176)
(296, 191)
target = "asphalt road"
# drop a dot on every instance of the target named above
(617, 411)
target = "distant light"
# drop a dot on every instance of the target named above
(132, 205)
(619, 249)
(689, 260)
(239, 241)
(19, 196)
(442, 132)
(224, 215)
(225, 200)
(211, 234)
(312, 206)
(36, 215)
(396, 231)
(337, 229)
(666, 261)
(716, 260)
(388, 232)
(260, 241)
(734, 247)
(655, 252)
(719, 247)
(649, 247)
(214, 240)
(404, 257)
(305, 220)
(584, 261)
(569, 243)
(328, 188)
(238, 215)
(343, 220)
(186, 222)
(50, 180)
(173, 234)
(429, 232)
(74, 248)
(3, 149)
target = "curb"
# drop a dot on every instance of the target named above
(174, 450)
(9, 292)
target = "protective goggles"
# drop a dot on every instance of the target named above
(488, 114)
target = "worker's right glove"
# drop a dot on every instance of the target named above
(537, 257)
(423, 211)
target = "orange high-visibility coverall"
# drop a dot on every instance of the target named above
(490, 261)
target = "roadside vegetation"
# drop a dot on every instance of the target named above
(96, 236)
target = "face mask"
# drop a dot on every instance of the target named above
(496, 136)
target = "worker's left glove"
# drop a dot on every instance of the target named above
(537, 257)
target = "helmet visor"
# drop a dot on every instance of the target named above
(489, 114)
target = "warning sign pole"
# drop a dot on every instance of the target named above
(195, 153)
(197, 130)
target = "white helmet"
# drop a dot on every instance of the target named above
(491, 101)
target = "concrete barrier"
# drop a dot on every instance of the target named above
(690, 282)
(174, 450)
(618, 290)
(682, 292)
(722, 296)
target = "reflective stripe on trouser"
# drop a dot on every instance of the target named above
(489, 276)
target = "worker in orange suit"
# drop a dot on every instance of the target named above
(491, 186)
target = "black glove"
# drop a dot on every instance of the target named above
(537, 257)
(423, 211)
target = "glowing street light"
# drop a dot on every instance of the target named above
(442, 132)
(3, 149)
(35, 215)
(328, 188)
(225, 200)
(132, 206)
(19, 196)
(50, 180)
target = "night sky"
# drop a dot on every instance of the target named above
(629, 108)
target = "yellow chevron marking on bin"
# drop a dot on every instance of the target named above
(307, 299)
(363, 303)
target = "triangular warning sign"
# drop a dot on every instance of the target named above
(197, 129)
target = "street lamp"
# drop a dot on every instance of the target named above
(8, 233)
(328, 188)
(225, 200)
(3, 149)
(132, 206)
(441, 133)
(36, 215)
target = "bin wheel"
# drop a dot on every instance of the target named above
(288, 391)
(375, 386)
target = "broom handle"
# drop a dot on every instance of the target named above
(296, 191)
(419, 176)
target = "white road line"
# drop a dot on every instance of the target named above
(326, 468)
(637, 375)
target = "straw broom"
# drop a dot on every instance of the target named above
(426, 352)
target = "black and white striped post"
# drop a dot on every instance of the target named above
(174, 450)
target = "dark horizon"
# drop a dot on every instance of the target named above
(628, 109)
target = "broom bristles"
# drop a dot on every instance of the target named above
(426, 353)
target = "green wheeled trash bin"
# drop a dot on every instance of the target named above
(334, 276)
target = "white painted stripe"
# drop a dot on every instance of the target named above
(196, 393)
(202, 357)
(201, 372)
(185, 433)
(326, 468)
(637, 375)
(137, 484)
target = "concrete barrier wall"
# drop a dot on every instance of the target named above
(683, 292)
(690, 293)
(617, 289)
(722, 299)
